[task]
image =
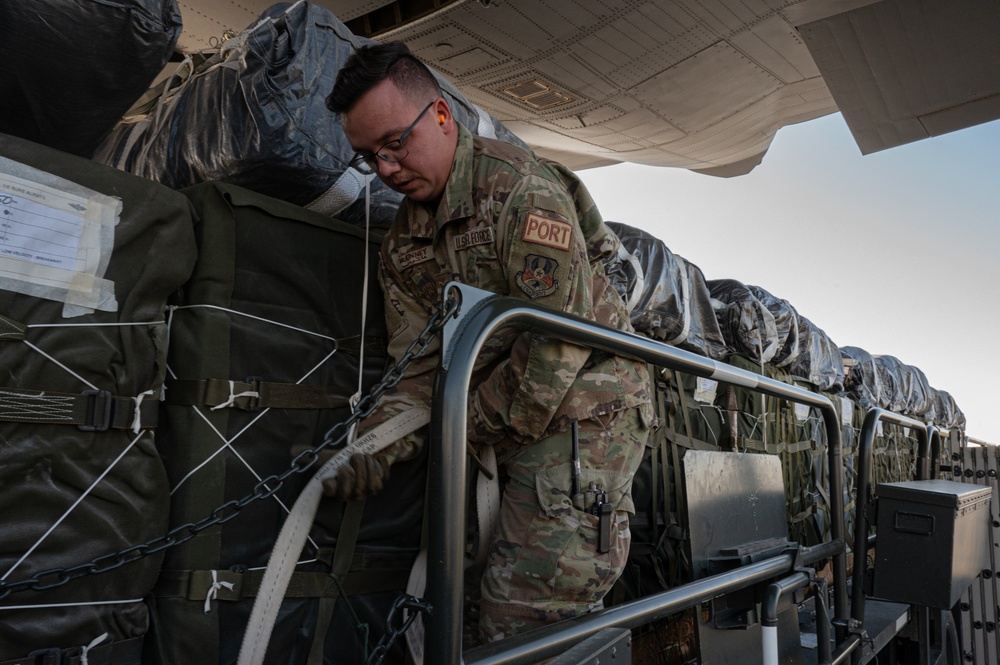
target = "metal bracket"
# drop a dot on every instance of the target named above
(470, 299)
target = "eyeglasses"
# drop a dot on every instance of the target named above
(391, 153)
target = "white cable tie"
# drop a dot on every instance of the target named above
(93, 643)
(137, 418)
(213, 591)
(32, 346)
(234, 396)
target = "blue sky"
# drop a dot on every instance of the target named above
(894, 252)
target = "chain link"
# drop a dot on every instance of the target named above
(334, 438)
(405, 601)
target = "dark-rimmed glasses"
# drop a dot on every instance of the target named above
(391, 153)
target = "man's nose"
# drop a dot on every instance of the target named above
(386, 168)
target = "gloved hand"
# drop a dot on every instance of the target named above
(363, 476)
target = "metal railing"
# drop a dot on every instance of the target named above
(481, 315)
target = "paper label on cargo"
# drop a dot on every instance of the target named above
(801, 412)
(705, 390)
(846, 412)
(56, 239)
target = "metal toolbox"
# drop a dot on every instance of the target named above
(933, 540)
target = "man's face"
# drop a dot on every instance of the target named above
(382, 115)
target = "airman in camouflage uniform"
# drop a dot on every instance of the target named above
(498, 218)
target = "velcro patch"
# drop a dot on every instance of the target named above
(547, 231)
(415, 256)
(481, 236)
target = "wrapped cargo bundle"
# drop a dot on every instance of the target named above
(747, 325)
(255, 115)
(819, 360)
(947, 413)
(265, 355)
(911, 392)
(666, 296)
(786, 324)
(804, 348)
(72, 68)
(83, 367)
(861, 381)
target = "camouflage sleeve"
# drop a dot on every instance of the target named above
(544, 252)
(406, 318)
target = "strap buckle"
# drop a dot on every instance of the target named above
(253, 403)
(99, 413)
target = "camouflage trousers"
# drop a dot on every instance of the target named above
(543, 564)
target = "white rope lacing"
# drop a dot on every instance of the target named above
(88, 603)
(213, 591)
(72, 507)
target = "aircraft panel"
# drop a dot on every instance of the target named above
(771, 44)
(706, 88)
(903, 70)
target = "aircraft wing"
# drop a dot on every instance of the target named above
(697, 84)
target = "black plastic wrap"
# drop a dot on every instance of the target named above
(912, 394)
(667, 297)
(255, 115)
(861, 382)
(803, 348)
(72, 67)
(947, 413)
(747, 325)
(786, 323)
(819, 358)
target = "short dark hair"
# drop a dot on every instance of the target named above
(370, 65)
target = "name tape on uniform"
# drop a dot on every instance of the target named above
(415, 256)
(546, 231)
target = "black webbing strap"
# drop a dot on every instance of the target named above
(253, 394)
(91, 410)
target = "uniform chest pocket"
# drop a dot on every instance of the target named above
(484, 269)
(426, 280)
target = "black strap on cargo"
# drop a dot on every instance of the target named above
(253, 394)
(91, 410)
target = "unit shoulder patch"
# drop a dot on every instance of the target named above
(539, 276)
(547, 231)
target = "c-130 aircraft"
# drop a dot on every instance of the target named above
(698, 85)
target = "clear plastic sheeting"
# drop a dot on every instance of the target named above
(73, 67)
(666, 296)
(254, 114)
(747, 325)
(861, 381)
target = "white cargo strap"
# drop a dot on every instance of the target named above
(293, 534)
(487, 518)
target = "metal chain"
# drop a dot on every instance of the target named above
(405, 601)
(334, 438)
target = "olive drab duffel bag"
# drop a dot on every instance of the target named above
(266, 342)
(88, 257)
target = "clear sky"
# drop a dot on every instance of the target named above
(894, 252)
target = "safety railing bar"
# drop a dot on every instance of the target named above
(863, 464)
(530, 647)
(464, 339)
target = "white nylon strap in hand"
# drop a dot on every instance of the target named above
(292, 538)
